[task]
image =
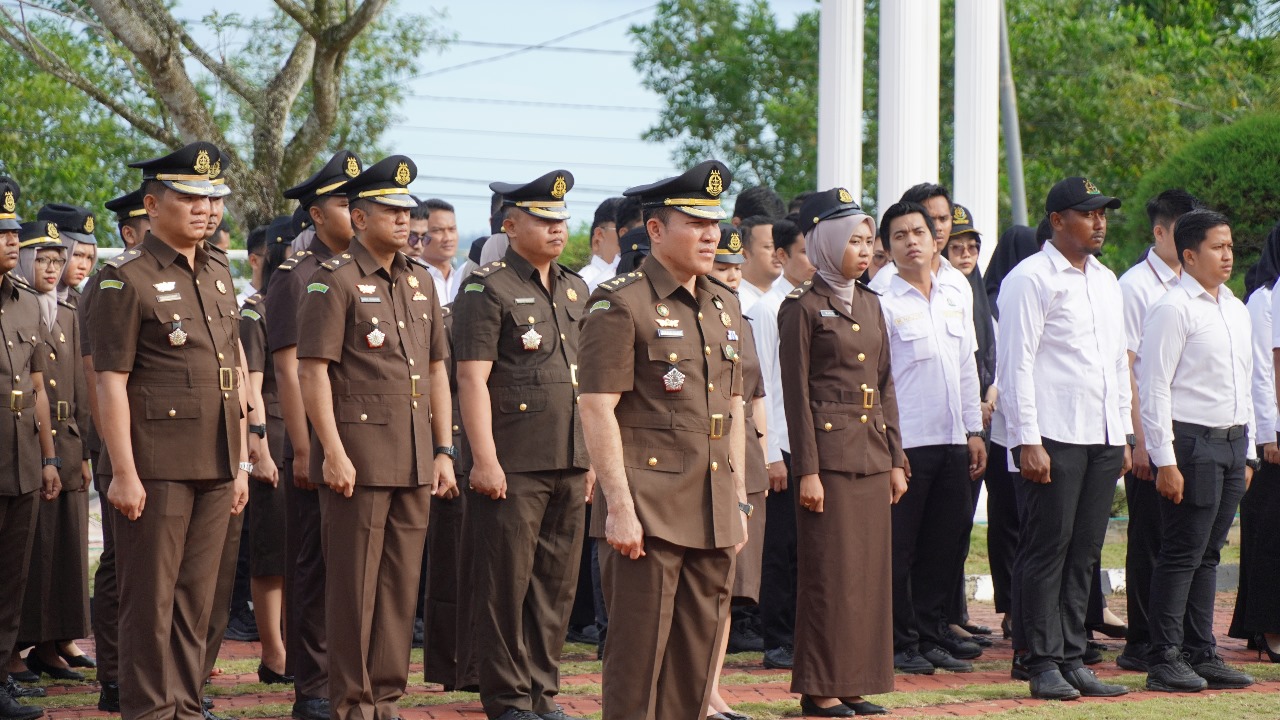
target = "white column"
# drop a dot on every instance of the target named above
(840, 49)
(977, 137)
(910, 78)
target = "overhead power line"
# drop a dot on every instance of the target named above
(517, 133)
(545, 163)
(535, 103)
(544, 48)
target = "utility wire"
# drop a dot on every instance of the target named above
(535, 103)
(517, 133)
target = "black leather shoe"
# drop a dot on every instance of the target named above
(1093, 653)
(1218, 674)
(36, 665)
(419, 632)
(109, 697)
(311, 709)
(1089, 685)
(80, 661)
(779, 658)
(242, 627)
(17, 692)
(981, 641)
(810, 709)
(862, 707)
(558, 714)
(11, 709)
(514, 714)
(1050, 685)
(957, 646)
(267, 676)
(975, 629)
(744, 638)
(943, 660)
(1019, 671)
(1115, 632)
(1134, 657)
(912, 662)
(731, 715)
(1170, 672)
(586, 635)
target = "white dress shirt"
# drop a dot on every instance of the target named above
(245, 294)
(764, 321)
(931, 347)
(947, 274)
(749, 295)
(1197, 366)
(1142, 285)
(597, 271)
(1062, 370)
(446, 290)
(1265, 412)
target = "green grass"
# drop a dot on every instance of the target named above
(1205, 706)
(978, 563)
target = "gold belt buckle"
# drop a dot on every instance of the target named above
(64, 410)
(15, 400)
(868, 398)
(573, 374)
(413, 386)
(226, 379)
(717, 426)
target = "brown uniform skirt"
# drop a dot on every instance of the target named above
(56, 606)
(844, 590)
(746, 570)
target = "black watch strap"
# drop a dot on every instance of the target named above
(51, 462)
(259, 430)
(449, 450)
(1255, 463)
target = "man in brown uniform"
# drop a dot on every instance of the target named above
(662, 409)
(24, 436)
(323, 198)
(165, 332)
(376, 390)
(132, 223)
(515, 333)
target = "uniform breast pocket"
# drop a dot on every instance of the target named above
(664, 357)
(229, 316)
(832, 430)
(375, 335)
(23, 343)
(917, 341)
(521, 400)
(422, 324)
(173, 326)
(531, 329)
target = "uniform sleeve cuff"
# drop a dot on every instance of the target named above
(1163, 456)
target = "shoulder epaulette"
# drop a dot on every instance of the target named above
(800, 289)
(336, 261)
(446, 310)
(621, 281)
(210, 246)
(418, 261)
(253, 299)
(719, 282)
(124, 257)
(22, 284)
(66, 305)
(570, 270)
(293, 260)
(867, 287)
(486, 270)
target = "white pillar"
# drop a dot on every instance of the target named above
(910, 78)
(840, 49)
(977, 136)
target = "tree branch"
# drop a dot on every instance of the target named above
(365, 14)
(302, 16)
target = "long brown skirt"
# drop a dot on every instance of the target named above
(746, 567)
(56, 606)
(844, 590)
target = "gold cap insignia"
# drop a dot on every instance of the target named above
(202, 164)
(559, 188)
(9, 204)
(88, 225)
(353, 167)
(843, 196)
(715, 185)
(959, 215)
(402, 174)
(52, 231)
(1091, 188)
(735, 243)
(216, 170)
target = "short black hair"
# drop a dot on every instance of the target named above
(794, 206)
(1193, 227)
(224, 227)
(496, 215)
(433, 204)
(758, 200)
(662, 214)
(1044, 231)
(604, 214)
(257, 240)
(919, 193)
(750, 223)
(477, 245)
(785, 234)
(419, 211)
(900, 209)
(1170, 205)
(627, 214)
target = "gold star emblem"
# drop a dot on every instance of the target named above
(402, 174)
(532, 340)
(413, 281)
(353, 167)
(222, 288)
(571, 294)
(202, 164)
(715, 184)
(177, 338)
(725, 320)
(843, 196)
(88, 225)
(375, 338)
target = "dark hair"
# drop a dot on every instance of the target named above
(661, 214)
(224, 227)
(919, 193)
(604, 213)
(276, 253)
(758, 200)
(433, 204)
(793, 207)
(785, 234)
(627, 214)
(1170, 205)
(1193, 227)
(257, 240)
(1044, 231)
(900, 209)
(496, 216)
(473, 254)
(419, 211)
(750, 223)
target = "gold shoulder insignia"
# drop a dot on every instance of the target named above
(800, 290)
(22, 284)
(446, 311)
(620, 282)
(335, 262)
(487, 270)
(253, 299)
(124, 257)
(66, 305)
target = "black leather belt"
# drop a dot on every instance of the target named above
(1235, 432)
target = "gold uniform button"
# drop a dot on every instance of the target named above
(208, 318)
(173, 413)
(51, 356)
(706, 350)
(53, 383)
(699, 316)
(401, 324)
(410, 362)
(226, 396)
(415, 404)
(532, 320)
(827, 427)
(672, 357)
(523, 407)
(55, 432)
(714, 466)
(862, 419)
(363, 417)
(16, 378)
(653, 462)
(176, 316)
(711, 386)
(455, 427)
(862, 356)
(864, 386)
(857, 327)
(220, 356)
(10, 343)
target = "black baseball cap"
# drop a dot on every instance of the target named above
(1077, 193)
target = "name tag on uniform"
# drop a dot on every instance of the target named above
(370, 299)
(733, 334)
(169, 297)
(670, 333)
(524, 301)
(828, 313)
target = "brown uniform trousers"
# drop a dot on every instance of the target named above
(842, 418)
(670, 355)
(173, 328)
(19, 453)
(526, 546)
(305, 642)
(380, 331)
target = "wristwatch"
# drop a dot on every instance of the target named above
(746, 508)
(975, 434)
(246, 466)
(1131, 439)
(1255, 463)
(259, 430)
(449, 450)
(51, 462)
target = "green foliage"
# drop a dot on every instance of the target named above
(577, 252)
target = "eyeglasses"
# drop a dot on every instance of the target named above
(416, 239)
(963, 248)
(51, 262)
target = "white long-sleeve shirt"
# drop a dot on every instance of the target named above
(764, 321)
(931, 346)
(1062, 370)
(1142, 285)
(1265, 412)
(1197, 366)
(597, 271)
(946, 273)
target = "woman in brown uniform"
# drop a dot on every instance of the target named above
(842, 418)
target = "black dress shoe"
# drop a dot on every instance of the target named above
(1089, 685)
(808, 708)
(11, 709)
(1093, 653)
(957, 646)
(1259, 642)
(267, 676)
(419, 632)
(1170, 672)
(981, 641)
(311, 709)
(943, 660)
(862, 707)
(206, 702)
(1134, 657)
(779, 658)
(80, 661)
(1019, 669)
(1050, 685)
(557, 714)
(17, 692)
(731, 715)
(109, 697)
(1218, 674)
(242, 627)
(515, 714)
(744, 638)
(975, 629)
(1115, 632)
(912, 662)
(25, 676)
(36, 665)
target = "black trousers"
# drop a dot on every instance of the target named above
(1063, 525)
(1185, 576)
(1258, 602)
(306, 638)
(1140, 556)
(1002, 525)
(957, 609)
(930, 523)
(778, 567)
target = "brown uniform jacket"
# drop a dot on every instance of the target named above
(174, 329)
(462, 465)
(68, 394)
(284, 293)
(253, 337)
(505, 315)
(379, 331)
(19, 439)
(675, 444)
(757, 470)
(842, 414)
